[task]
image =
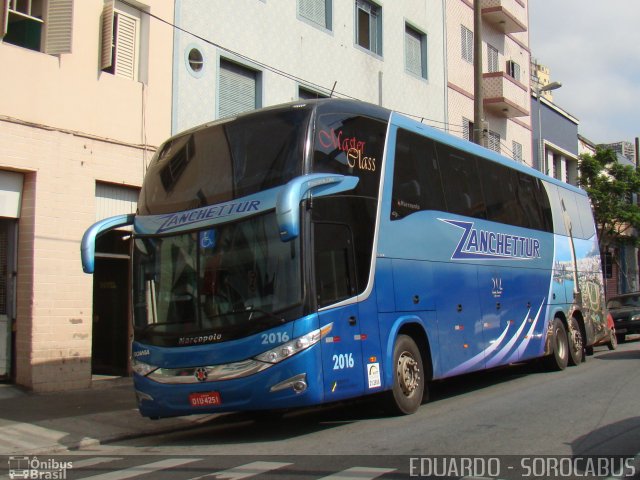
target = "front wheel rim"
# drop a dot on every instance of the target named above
(408, 372)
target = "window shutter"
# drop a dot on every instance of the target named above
(106, 52)
(492, 59)
(237, 89)
(314, 10)
(59, 27)
(4, 17)
(413, 51)
(126, 51)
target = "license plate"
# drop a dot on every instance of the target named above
(205, 399)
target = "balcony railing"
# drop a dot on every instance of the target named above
(504, 96)
(508, 16)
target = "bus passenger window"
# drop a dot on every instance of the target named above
(334, 263)
(416, 178)
(462, 189)
(500, 184)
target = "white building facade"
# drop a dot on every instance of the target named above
(231, 57)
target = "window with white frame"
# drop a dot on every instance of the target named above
(513, 70)
(239, 89)
(316, 11)
(494, 141)
(369, 26)
(40, 25)
(492, 59)
(467, 43)
(517, 151)
(121, 27)
(415, 51)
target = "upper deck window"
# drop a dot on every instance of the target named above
(227, 160)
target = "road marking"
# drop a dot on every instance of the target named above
(359, 473)
(245, 471)
(90, 462)
(143, 469)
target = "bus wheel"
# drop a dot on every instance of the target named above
(576, 342)
(612, 344)
(559, 357)
(408, 377)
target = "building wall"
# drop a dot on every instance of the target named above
(510, 46)
(65, 126)
(259, 34)
(559, 140)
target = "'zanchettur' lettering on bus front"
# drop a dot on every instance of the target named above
(208, 213)
(485, 244)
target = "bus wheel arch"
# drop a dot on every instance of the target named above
(411, 370)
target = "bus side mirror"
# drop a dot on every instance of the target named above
(88, 245)
(289, 198)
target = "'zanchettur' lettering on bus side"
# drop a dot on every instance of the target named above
(207, 213)
(486, 244)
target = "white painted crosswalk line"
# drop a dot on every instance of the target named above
(90, 462)
(359, 473)
(143, 469)
(245, 471)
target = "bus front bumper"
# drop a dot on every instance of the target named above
(295, 382)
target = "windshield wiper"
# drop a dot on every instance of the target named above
(251, 310)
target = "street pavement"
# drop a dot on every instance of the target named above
(32, 423)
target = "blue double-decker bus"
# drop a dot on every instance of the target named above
(325, 250)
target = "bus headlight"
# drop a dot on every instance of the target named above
(141, 368)
(282, 352)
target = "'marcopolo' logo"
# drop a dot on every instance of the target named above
(484, 244)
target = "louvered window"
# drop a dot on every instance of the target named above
(494, 141)
(467, 43)
(467, 129)
(492, 59)
(513, 69)
(316, 11)
(120, 42)
(37, 24)
(415, 52)
(238, 89)
(517, 151)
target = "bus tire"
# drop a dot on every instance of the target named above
(612, 344)
(407, 392)
(576, 342)
(559, 357)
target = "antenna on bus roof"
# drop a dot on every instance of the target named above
(333, 88)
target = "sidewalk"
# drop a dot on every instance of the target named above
(33, 423)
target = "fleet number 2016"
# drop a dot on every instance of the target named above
(343, 361)
(277, 337)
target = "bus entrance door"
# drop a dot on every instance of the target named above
(335, 283)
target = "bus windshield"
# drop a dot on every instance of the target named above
(226, 160)
(214, 284)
